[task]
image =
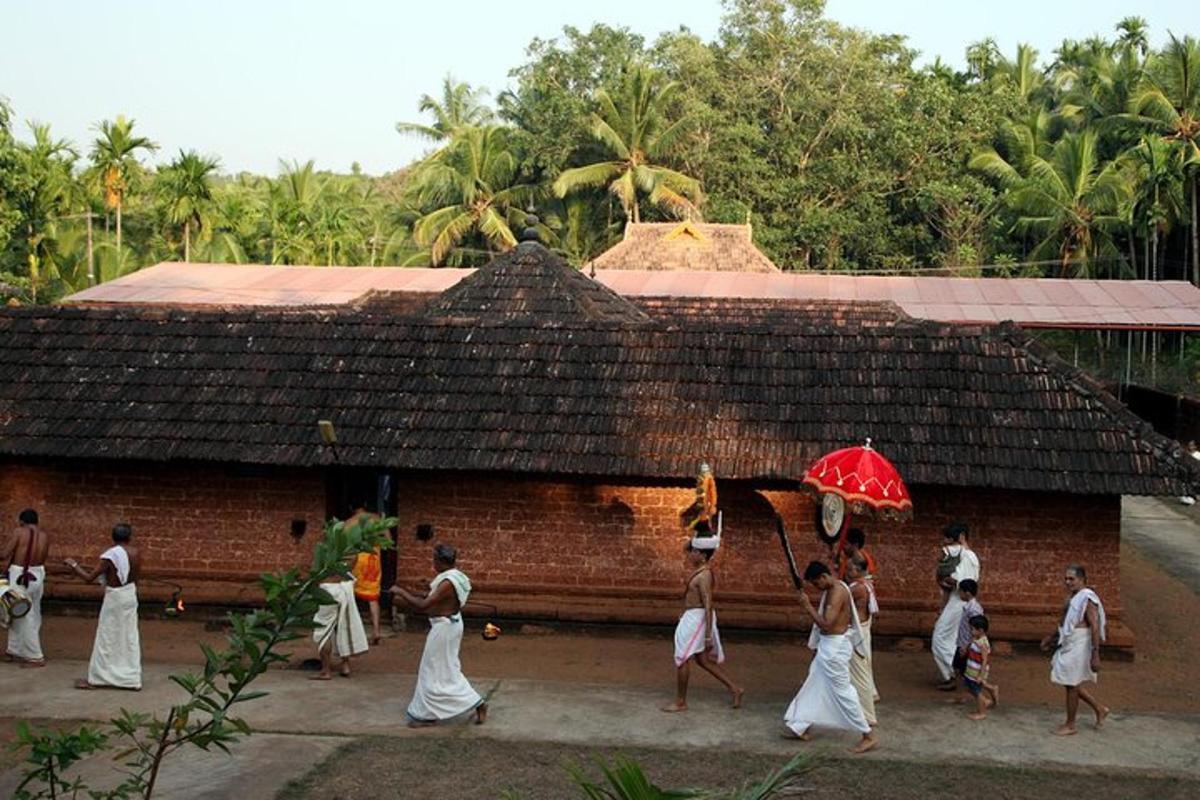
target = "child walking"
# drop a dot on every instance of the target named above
(979, 662)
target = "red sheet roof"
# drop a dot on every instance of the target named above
(1031, 302)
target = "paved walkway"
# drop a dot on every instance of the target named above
(303, 721)
(1168, 537)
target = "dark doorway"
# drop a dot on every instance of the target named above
(375, 490)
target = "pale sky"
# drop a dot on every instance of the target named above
(255, 81)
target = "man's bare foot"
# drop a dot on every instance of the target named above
(375, 639)
(867, 744)
(321, 676)
(344, 671)
(977, 716)
(788, 733)
(1101, 716)
(421, 723)
(674, 707)
(995, 695)
(1065, 730)
(737, 697)
(481, 712)
(947, 686)
(32, 664)
(83, 684)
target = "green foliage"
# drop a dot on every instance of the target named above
(207, 718)
(624, 779)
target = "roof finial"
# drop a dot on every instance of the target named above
(530, 233)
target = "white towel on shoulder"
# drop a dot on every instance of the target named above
(1077, 610)
(458, 579)
(120, 561)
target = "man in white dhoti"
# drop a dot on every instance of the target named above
(1077, 659)
(862, 673)
(117, 652)
(338, 628)
(696, 636)
(827, 696)
(958, 563)
(442, 691)
(25, 556)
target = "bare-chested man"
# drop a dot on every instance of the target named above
(442, 690)
(117, 652)
(696, 636)
(25, 557)
(1077, 659)
(827, 696)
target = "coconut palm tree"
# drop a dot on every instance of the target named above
(1074, 202)
(114, 159)
(45, 195)
(1168, 103)
(459, 107)
(472, 187)
(186, 185)
(634, 128)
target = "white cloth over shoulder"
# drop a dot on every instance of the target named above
(458, 579)
(24, 634)
(442, 691)
(117, 651)
(1077, 610)
(120, 561)
(855, 631)
(827, 696)
(340, 622)
(968, 563)
(689, 636)
(1072, 661)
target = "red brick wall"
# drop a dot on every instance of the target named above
(211, 528)
(605, 552)
(569, 550)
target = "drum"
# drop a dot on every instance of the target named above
(14, 600)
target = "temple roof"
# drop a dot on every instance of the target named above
(678, 246)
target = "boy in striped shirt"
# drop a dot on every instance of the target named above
(978, 665)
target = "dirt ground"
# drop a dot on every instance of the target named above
(1159, 679)
(374, 769)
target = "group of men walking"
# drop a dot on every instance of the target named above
(839, 691)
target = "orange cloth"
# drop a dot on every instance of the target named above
(844, 562)
(368, 573)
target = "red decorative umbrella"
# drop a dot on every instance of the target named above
(864, 479)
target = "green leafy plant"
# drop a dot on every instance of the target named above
(208, 717)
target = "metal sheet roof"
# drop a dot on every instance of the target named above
(1031, 302)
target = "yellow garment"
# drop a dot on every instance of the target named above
(368, 572)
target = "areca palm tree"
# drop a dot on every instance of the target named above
(460, 107)
(1074, 202)
(633, 126)
(1168, 103)
(187, 188)
(114, 158)
(1157, 167)
(472, 187)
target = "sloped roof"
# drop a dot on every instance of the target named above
(685, 246)
(1030, 302)
(761, 394)
(529, 284)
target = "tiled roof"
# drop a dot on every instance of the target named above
(687, 246)
(1030, 302)
(761, 392)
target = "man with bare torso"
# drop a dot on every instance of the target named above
(442, 691)
(117, 652)
(25, 560)
(827, 696)
(861, 673)
(1076, 660)
(696, 636)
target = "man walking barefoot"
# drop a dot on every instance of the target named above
(696, 636)
(1077, 659)
(25, 554)
(827, 696)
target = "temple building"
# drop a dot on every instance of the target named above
(551, 427)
